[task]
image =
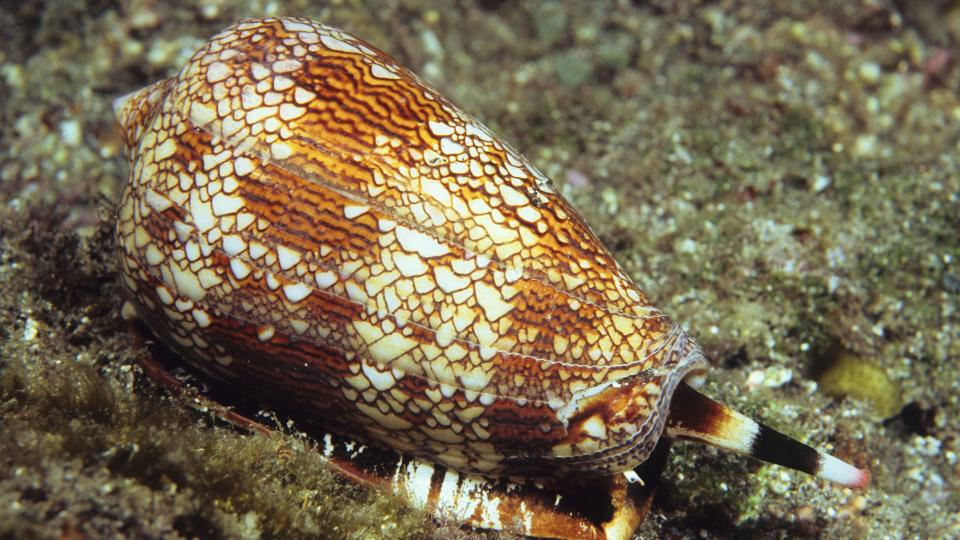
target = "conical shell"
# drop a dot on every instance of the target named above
(313, 224)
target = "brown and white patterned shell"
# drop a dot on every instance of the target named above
(313, 224)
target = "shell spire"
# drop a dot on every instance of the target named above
(134, 111)
(695, 416)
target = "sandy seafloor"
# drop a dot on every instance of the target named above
(781, 178)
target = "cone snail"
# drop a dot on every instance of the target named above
(313, 225)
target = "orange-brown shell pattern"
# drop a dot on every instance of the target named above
(312, 223)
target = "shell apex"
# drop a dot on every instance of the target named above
(135, 110)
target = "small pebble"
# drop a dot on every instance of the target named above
(870, 72)
(30, 330)
(927, 446)
(755, 378)
(71, 133)
(572, 68)
(865, 145)
(821, 182)
(577, 179)
(550, 21)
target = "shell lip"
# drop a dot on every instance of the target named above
(689, 363)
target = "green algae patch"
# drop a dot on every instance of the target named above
(849, 375)
(74, 437)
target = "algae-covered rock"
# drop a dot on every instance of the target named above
(853, 376)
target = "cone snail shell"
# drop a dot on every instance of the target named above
(310, 222)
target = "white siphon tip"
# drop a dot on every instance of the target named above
(842, 473)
